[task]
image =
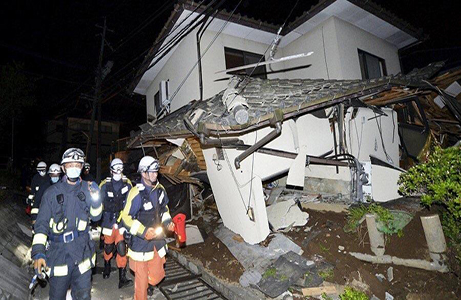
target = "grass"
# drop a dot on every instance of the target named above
(352, 294)
(324, 248)
(270, 272)
(326, 297)
(383, 215)
(326, 274)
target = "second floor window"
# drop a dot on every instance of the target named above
(371, 66)
(238, 58)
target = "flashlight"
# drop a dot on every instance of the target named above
(159, 230)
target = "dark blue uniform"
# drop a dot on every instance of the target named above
(114, 195)
(63, 222)
(146, 207)
(38, 186)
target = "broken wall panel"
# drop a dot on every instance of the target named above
(384, 183)
(232, 187)
(370, 134)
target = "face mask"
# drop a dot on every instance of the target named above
(73, 173)
(117, 177)
(54, 179)
(42, 173)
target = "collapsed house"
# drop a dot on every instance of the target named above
(342, 137)
(345, 136)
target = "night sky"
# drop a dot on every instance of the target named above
(57, 44)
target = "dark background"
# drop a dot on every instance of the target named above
(57, 45)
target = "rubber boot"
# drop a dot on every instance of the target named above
(150, 290)
(122, 280)
(106, 272)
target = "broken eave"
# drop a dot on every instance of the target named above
(293, 98)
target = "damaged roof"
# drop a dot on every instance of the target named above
(293, 97)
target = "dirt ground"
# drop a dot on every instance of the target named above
(322, 238)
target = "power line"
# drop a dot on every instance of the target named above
(165, 48)
(202, 55)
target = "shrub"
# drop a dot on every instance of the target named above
(352, 294)
(438, 181)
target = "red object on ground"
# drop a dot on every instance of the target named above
(180, 227)
(28, 209)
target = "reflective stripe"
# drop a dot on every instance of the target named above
(161, 252)
(160, 199)
(82, 225)
(124, 190)
(60, 270)
(54, 225)
(145, 256)
(96, 211)
(110, 194)
(166, 216)
(31, 197)
(39, 239)
(85, 265)
(135, 227)
(107, 231)
(34, 211)
(140, 256)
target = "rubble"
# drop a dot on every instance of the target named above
(390, 274)
(285, 214)
(255, 256)
(283, 273)
(194, 236)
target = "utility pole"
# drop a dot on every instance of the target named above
(97, 102)
(12, 140)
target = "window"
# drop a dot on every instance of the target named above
(371, 65)
(157, 103)
(238, 58)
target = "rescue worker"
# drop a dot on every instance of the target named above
(39, 183)
(54, 174)
(62, 245)
(86, 175)
(146, 216)
(114, 191)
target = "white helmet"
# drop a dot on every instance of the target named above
(87, 166)
(116, 165)
(41, 166)
(54, 169)
(148, 164)
(73, 155)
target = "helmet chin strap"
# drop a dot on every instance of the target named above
(72, 179)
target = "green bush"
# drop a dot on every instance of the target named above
(383, 216)
(352, 294)
(438, 181)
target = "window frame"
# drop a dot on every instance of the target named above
(245, 54)
(364, 66)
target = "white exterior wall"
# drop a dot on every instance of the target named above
(175, 70)
(350, 38)
(185, 56)
(323, 42)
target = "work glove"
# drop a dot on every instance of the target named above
(39, 265)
